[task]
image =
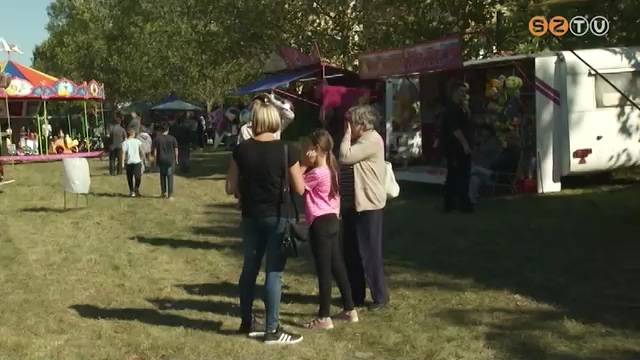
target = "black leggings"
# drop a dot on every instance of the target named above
(134, 177)
(325, 244)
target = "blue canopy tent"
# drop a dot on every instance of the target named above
(273, 81)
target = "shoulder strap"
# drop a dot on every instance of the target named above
(286, 189)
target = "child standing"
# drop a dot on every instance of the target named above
(132, 156)
(166, 155)
(322, 207)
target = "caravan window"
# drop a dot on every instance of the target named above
(627, 82)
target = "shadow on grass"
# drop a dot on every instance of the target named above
(51, 210)
(230, 290)
(523, 334)
(190, 244)
(215, 307)
(218, 231)
(207, 164)
(573, 251)
(147, 316)
(110, 195)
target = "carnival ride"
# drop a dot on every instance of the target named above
(26, 95)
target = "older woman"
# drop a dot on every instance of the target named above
(256, 175)
(363, 148)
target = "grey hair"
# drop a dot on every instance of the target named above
(365, 115)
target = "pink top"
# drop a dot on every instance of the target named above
(317, 201)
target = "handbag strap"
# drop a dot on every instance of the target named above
(289, 203)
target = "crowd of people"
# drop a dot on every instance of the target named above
(341, 184)
(345, 217)
(163, 147)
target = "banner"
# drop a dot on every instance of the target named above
(439, 55)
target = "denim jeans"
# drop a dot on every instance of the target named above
(166, 179)
(262, 236)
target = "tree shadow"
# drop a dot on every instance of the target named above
(206, 165)
(190, 244)
(147, 316)
(520, 334)
(210, 306)
(230, 290)
(574, 251)
(217, 231)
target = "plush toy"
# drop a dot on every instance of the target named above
(512, 86)
(512, 89)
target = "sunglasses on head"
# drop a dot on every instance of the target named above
(264, 98)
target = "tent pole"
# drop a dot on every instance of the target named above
(6, 103)
(39, 121)
(69, 124)
(40, 129)
(86, 127)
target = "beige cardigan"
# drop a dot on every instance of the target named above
(369, 169)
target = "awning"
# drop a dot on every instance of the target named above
(176, 105)
(273, 81)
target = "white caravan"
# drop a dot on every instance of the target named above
(582, 124)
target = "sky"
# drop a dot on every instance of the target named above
(23, 23)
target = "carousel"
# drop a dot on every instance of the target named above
(25, 123)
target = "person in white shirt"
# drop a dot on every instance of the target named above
(285, 108)
(132, 156)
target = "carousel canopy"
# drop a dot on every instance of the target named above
(28, 83)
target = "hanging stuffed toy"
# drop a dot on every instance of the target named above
(493, 90)
(512, 89)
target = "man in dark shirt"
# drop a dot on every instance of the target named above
(457, 130)
(183, 134)
(165, 148)
(117, 136)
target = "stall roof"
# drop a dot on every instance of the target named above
(176, 105)
(275, 80)
(497, 59)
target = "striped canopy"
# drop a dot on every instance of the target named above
(28, 83)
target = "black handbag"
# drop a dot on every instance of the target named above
(295, 231)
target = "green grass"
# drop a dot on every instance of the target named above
(554, 277)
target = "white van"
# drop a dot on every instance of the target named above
(582, 124)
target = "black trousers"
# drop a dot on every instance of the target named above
(115, 157)
(324, 236)
(134, 177)
(362, 238)
(456, 189)
(184, 156)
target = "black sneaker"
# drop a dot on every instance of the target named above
(281, 337)
(251, 329)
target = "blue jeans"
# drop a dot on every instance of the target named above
(260, 236)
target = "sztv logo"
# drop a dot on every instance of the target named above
(559, 26)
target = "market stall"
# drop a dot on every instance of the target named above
(320, 92)
(25, 120)
(554, 114)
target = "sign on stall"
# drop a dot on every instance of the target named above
(439, 55)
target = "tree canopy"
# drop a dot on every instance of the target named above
(204, 49)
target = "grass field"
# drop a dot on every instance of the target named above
(554, 277)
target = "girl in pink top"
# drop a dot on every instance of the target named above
(322, 208)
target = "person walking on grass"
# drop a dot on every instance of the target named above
(117, 136)
(166, 154)
(322, 208)
(256, 177)
(132, 156)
